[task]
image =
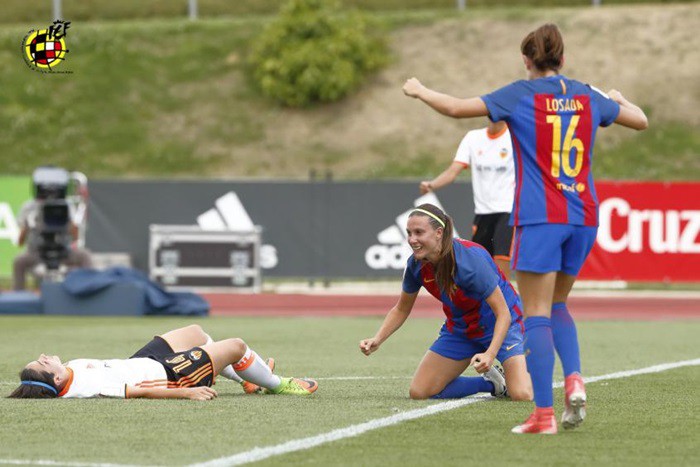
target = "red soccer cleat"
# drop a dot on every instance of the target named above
(575, 402)
(542, 421)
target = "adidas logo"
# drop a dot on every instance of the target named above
(9, 229)
(230, 214)
(393, 251)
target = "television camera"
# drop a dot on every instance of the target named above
(61, 198)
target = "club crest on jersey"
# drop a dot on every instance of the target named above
(196, 354)
(503, 153)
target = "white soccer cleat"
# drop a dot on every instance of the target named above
(496, 376)
(574, 402)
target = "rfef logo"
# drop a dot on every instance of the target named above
(45, 49)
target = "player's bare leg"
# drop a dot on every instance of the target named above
(434, 373)
(517, 378)
(182, 339)
(503, 265)
(250, 367)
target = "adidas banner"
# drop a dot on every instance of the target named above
(317, 230)
(341, 230)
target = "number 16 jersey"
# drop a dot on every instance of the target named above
(553, 122)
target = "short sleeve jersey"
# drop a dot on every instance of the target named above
(493, 175)
(476, 277)
(553, 123)
(109, 378)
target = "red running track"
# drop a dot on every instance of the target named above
(634, 308)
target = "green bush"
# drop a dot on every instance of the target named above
(314, 51)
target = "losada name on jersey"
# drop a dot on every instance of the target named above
(563, 105)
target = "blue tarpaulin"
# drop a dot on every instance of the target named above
(86, 282)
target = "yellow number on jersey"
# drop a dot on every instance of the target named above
(569, 142)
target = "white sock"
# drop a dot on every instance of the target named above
(228, 371)
(254, 369)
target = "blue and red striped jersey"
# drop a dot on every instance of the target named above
(553, 122)
(476, 277)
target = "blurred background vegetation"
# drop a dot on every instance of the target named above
(18, 11)
(153, 94)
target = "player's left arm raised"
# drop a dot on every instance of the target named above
(445, 104)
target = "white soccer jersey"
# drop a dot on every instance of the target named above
(493, 172)
(109, 378)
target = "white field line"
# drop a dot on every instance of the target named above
(71, 464)
(257, 454)
(359, 378)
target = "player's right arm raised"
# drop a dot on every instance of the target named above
(393, 321)
(445, 104)
(448, 176)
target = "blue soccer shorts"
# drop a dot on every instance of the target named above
(545, 248)
(458, 346)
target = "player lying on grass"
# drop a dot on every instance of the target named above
(180, 364)
(483, 322)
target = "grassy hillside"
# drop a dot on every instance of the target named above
(170, 98)
(17, 11)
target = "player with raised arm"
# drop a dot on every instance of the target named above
(553, 121)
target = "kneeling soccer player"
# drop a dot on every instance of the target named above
(483, 322)
(180, 364)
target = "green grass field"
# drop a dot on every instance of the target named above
(641, 420)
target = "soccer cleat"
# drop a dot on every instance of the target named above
(295, 386)
(542, 422)
(252, 388)
(574, 402)
(496, 376)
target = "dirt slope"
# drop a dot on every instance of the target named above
(650, 53)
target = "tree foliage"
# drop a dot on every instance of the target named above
(314, 51)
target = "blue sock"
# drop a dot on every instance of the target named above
(565, 339)
(464, 386)
(539, 354)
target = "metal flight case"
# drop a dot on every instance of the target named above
(188, 257)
